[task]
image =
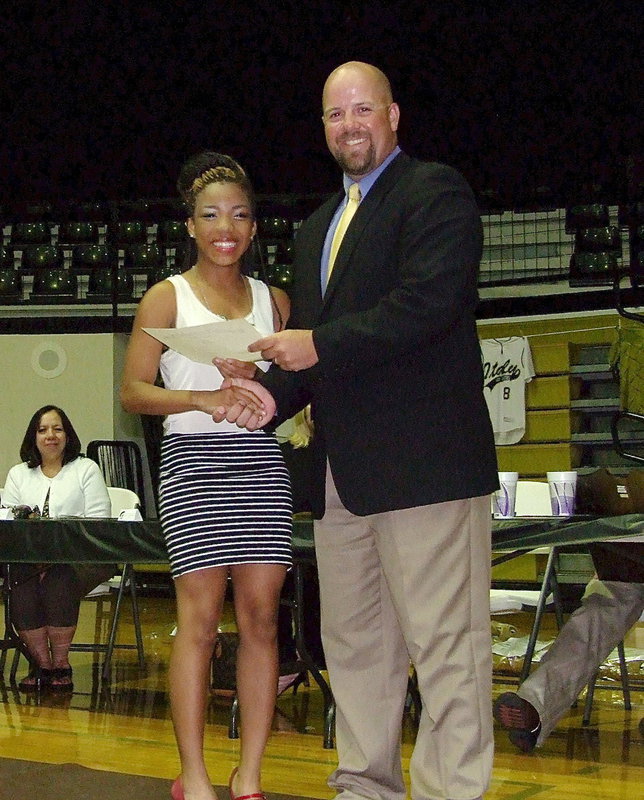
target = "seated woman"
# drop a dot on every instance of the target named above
(45, 599)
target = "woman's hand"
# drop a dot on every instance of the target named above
(233, 368)
(246, 403)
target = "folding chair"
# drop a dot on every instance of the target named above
(121, 499)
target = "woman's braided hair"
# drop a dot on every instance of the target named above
(209, 167)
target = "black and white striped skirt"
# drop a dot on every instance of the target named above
(224, 499)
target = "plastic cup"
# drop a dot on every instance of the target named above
(563, 489)
(503, 499)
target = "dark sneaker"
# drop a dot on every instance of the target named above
(520, 718)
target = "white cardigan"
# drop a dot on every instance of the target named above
(77, 491)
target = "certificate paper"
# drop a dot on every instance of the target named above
(202, 343)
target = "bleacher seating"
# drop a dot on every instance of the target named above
(53, 286)
(36, 258)
(10, 286)
(172, 232)
(30, 233)
(85, 258)
(100, 286)
(584, 244)
(143, 258)
(76, 232)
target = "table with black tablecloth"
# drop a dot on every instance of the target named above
(105, 541)
(75, 540)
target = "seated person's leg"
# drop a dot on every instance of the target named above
(62, 594)
(28, 618)
(584, 642)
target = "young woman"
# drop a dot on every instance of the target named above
(225, 501)
(45, 601)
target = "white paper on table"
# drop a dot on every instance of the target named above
(201, 343)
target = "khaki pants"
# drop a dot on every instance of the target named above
(403, 586)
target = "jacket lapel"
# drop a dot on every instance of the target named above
(363, 216)
(315, 244)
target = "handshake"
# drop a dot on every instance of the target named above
(244, 402)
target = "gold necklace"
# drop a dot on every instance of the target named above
(249, 297)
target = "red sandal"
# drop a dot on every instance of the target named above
(254, 796)
(176, 790)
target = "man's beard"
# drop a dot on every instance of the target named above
(360, 164)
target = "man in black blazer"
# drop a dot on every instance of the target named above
(387, 354)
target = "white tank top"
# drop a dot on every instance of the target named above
(179, 372)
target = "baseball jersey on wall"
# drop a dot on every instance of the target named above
(507, 367)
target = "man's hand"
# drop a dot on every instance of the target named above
(246, 403)
(292, 350)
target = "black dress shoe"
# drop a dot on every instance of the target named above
(520, 718)
(526, 741)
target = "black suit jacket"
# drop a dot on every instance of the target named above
(397, 397)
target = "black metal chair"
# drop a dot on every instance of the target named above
(143, 257)
(53, 286)
(100, 286)
(127, 233)
(88, 257)
(162, 272)
(596, 259)
(586, 216)
(293, 597)
(121, 464)
(121, 499)
(170, 232)
(30, 233)
(41, 257)
(10, 286)
(10, 639)
(6, 257)
(74, 232)
(122, 467)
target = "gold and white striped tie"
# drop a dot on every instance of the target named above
(343, 223)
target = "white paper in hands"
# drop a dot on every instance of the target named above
(201, 343)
